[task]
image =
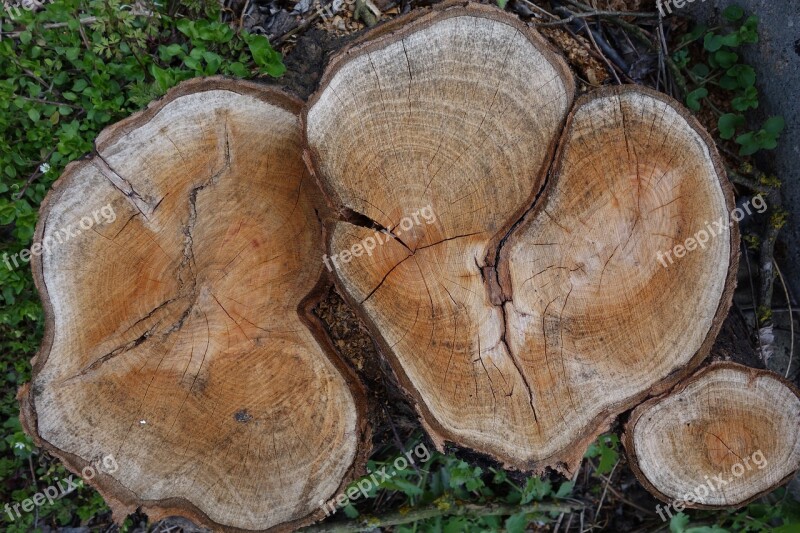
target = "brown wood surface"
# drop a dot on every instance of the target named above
(179, 338)
(727, 435)
(520, 328)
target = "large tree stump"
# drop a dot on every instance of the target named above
(725, 436)
(178, 337)
(530, 268)
(519, 337)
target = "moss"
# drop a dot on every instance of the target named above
(770, 181)
(779, 218)
(764, 315)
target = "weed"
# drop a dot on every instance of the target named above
(720, 67)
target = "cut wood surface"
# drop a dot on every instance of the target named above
(596, 319)
(178, 335)
(520, 340)
(725, 436)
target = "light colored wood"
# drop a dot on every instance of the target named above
(593, 316)
(730, 428)
(529, 358)
(178, 336)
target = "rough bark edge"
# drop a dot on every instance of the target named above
(381, 37)
(120, 499)
(571, 456)
(630, 426)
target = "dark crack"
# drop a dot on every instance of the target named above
(187, 288)
(124, 186)
(518, 367)
(351, 216)
(120, 349)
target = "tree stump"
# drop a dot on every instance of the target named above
(530, 267)
(519, 332)
(722, 438)
(178, 335)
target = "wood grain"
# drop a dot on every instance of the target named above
(520, 326)
(730, 428)
(179, 337)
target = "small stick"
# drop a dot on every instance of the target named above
(304, 25)
(791, 318)
(605, 490)
(422, 513)
(244, 13)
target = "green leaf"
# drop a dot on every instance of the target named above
(536, 489)
(728, 83)
(402, 485)
(712, 42)
(33, 114)
(192, 63)
(264, 56)
(694, 34)
(606, 447)
(766, 141)
(745, 75)
(213, 61)
(164, 79)
(694, 97)
(747, 100)
(681, 58)
(565, 489)
(726, 59)
(167, 52)
(748, 143)
(728, 124)
(774, 125)
(733, 13)
(678, 523)
(516, 523)
(350, 511)
(457, 524)
(238, 69)
(748, 33)
(186, 27)
(701, 70)
(732, 40)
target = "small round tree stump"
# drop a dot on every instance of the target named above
(722, 438)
